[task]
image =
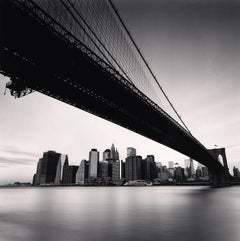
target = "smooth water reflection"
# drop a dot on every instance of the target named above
(119, 213)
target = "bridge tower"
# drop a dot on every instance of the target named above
(220, 178)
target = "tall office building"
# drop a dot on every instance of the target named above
(106, 155)
(149, 169)
(159, 165)
(103, 169)
(69, 174)
(93, 163)
(47, 168)
(205, 173)
(171, 169)
(170, 164)
(179, 174)
(123, 169)
(153, 167)
(189, 168)
(187, 163)
(114, 155)
(63, 160)
(198, 173)
(82, 172)
(38, 173)
(192, 167)
(131, 151)
(133, 168)
(116, 173)
(236, 173)
(113, 152)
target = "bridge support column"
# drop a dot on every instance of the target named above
(220, 178)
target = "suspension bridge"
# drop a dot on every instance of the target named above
(82, 53)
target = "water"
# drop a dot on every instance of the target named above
(119, 213)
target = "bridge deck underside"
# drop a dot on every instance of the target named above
(33, 55)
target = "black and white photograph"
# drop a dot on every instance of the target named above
(119, 120)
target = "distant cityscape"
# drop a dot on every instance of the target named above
(54, 169)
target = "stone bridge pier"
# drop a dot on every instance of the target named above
(219, 178)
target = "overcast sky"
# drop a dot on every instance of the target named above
(193, 48)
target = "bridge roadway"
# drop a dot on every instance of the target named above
(36, 57)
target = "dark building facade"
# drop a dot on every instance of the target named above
(46, 168)
(123, 169)
(179, 174)
(133, 168)
(69, 174)
(149, 168)
(103, 169)
(236, 173)
(116, 172)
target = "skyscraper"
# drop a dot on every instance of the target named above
(93, 163)
(38, 173)
(47, 168)
(82, 172)
(189, 168)
(106, 155)
(123, 169)
(170, 164)
(103, 169)
(133, 168)
(113, 152)
(151, 167)
(192, 167)
(117, 155)
(159, 165)
(198, 173)
(114, 155)
(48, 172)
(205, 173)
(179, 174)
(116, 173)
(131, 151)
(69, 174)
(236, 173)
(63, 160)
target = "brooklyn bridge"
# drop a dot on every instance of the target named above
(82, 53)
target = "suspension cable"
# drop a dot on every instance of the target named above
(144, 60)
(68, 9)
(100, 42)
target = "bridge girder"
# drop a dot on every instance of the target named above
(36, 58)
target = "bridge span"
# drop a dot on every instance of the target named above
(39, 53)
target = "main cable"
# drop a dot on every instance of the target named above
(144, 60)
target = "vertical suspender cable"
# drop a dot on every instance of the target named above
(144, 60)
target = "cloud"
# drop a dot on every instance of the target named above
(13, 161)
(233, 147)
(16, 151)
(3, 166)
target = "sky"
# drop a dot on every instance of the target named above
(192, 46)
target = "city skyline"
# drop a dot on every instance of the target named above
(54, 168)
(198, 68)
(100, 157)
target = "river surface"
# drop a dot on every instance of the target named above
(120, 213)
